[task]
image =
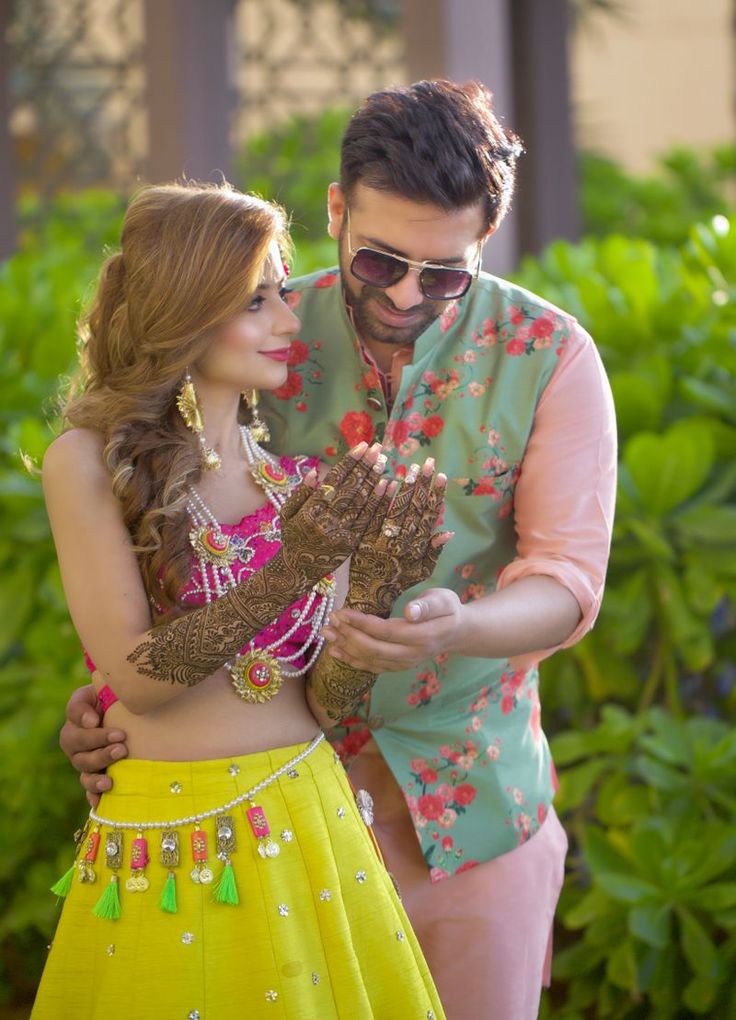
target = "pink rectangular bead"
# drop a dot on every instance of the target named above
(139, 853)
(257, 818)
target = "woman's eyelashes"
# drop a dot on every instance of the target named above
(260, 299)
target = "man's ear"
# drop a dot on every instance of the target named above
(335, 210)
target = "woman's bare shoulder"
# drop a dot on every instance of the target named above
(73, 456)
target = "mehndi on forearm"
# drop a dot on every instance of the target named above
(337, 687)
(192, 647)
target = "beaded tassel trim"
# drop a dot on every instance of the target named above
(171, 840)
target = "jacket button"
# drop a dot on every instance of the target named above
(375, 403)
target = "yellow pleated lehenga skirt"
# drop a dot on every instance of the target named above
(233, 889)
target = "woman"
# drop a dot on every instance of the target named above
(231, 873)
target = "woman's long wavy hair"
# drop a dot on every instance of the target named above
(191, 257)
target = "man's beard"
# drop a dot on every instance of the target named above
(369, 327)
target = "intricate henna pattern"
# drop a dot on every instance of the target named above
(338, 687)
(320, 529)
(396, 552)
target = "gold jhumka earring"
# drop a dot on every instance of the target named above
(257, 426)
(188, 407)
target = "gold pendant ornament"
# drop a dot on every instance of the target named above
(212, 546)
(258, 427)
(188, 407)
(256, 677)
(271, 477)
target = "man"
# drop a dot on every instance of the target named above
(409, 343)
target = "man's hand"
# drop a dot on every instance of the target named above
(88, 746)
(432, 625)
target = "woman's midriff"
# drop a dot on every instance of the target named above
(211, 721)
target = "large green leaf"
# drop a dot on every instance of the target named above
(652, 923)
(697, 945)
(626, 888)
(712, 525)
(667, 469)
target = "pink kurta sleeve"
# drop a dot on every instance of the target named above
(564, 499)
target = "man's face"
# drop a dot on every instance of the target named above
(421, 232)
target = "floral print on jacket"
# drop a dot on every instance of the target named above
(462, 735)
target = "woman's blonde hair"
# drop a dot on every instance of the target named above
(191, 257)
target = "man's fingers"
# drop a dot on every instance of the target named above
(431, 604)
(74, 739)
(375, 627)
(388, 658)
(95, 783)
(81, 709)
(99, 759)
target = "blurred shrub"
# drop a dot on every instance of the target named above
(651, 893)
(648, 794)
(293, 165)
(686, 187)
(40, 291)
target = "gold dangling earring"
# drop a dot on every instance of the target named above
(188, 407)
(258, 427)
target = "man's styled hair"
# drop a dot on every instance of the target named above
(436, 142)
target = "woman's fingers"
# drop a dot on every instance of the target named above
(349, 485)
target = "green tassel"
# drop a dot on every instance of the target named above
(227, 891)
(62, 887)
(167, 901)
(108, 905)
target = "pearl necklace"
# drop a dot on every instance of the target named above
(256, 675)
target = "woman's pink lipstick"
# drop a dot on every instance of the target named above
(280, 354)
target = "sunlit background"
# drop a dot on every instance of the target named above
(623, 216)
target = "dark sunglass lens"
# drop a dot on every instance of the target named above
(377, 269)
(444, 284)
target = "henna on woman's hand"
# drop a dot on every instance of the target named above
(338, 687)
(320, 528)
(399, 549)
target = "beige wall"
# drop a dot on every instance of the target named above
(659, 76)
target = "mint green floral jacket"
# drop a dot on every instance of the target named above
(462, 735)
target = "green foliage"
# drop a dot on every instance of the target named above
(651, 897)
(647, 787)
(687, 187)
(40, 663)
(664, 321)
(293, 165)
(649, 797)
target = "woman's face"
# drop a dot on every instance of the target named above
(251, 351)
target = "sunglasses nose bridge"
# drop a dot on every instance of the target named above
(407, 291)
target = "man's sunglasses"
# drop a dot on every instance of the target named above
(438, 283)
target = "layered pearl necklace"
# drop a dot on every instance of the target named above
(257, 675)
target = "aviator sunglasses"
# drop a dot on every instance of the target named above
(436, 282)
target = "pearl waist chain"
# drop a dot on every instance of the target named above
(201, 815)
(91, 839)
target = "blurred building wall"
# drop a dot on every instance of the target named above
(659, 75)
